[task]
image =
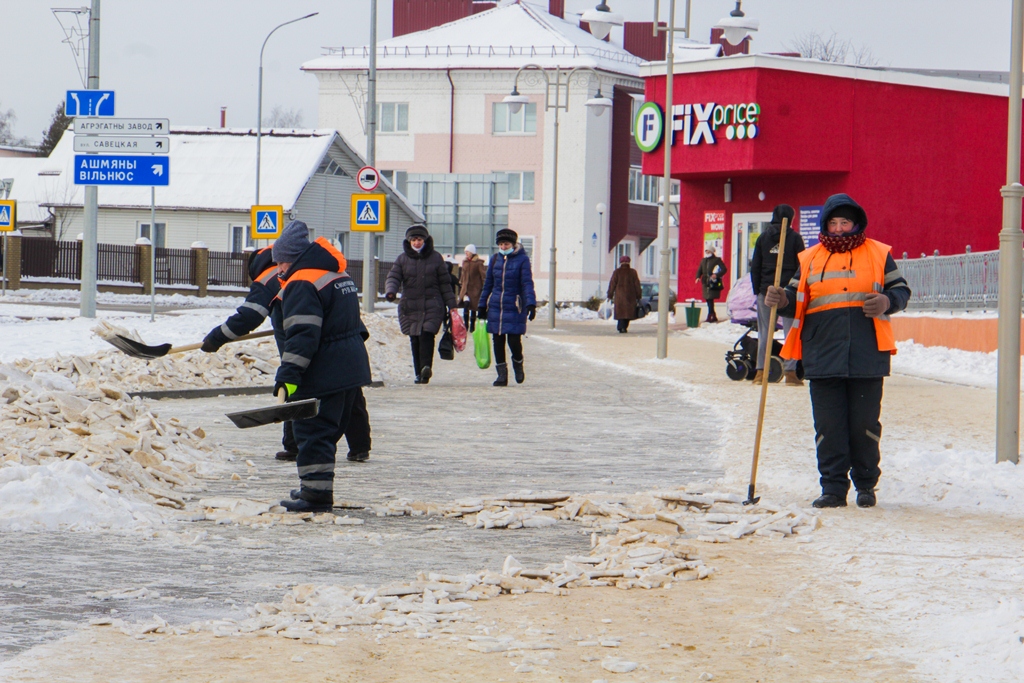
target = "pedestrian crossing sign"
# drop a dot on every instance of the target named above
(8, 215)
(267, 222)
(369, 213)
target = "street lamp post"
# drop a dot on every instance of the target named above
(259, 101)
(1010, 241)
(515, 101)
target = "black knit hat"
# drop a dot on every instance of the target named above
(506, 235)
(417, 231)
(846, 211)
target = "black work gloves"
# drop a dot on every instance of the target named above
(210, 343)
(531, 312)
(482, 312)
(390, 296)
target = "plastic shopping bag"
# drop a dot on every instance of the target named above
(482, 345)
(458, 328)
(605, 310)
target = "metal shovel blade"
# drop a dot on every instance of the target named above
(283, 412)
(138, 349)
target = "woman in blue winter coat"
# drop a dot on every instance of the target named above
(507, 302)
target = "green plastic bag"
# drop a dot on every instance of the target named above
(482, 345)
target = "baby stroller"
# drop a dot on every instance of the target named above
(741, 362)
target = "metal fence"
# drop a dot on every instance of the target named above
(355, 270)
(114, 262)
(229, 268)
(961, 282)
(43, 257)
(174, 266)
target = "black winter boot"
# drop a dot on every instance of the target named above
(425, 374)
(866, 499)
(502, 380)
(287, 456)
(362, 456)
(829, 500)
(517, 368)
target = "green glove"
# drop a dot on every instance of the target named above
(289, 389)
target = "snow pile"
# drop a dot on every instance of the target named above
(67, 494)
(96, 430)
(573, 312)
(947, 365)
(390, 359)
(951, 478)
(993, 636)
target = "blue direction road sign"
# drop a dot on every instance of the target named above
(89, 103)
(121, 169)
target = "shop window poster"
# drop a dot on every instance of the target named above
(809, 228)
(714, 230)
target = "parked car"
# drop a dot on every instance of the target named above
(649, 297)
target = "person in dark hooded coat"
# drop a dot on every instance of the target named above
(324, 356)
(507, 302)
(260, 303)
(762, 276)
(624, 292)
(841, 298)
(421, 275)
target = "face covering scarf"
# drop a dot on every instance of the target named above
(506, 252)
(839, 244)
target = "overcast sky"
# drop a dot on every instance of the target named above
(184, 59)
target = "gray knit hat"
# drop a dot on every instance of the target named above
(293, 241)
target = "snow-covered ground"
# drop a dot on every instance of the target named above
(73, 296)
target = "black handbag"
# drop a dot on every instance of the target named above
(446, 347)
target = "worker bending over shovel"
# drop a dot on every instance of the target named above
(261, 303)
(323, 357)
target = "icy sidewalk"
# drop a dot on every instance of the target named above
(934, 561)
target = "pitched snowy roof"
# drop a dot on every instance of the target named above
(211, 169)
(506, 37)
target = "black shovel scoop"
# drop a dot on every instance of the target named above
(282, 412)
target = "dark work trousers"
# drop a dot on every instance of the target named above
(357, 435)
(422, 351)
(515, 344)
(712, 316)
(847, 432)
(622, 325)
(318, 445)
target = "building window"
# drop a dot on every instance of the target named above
(646, 189)
(623, 249)
(520, 186)
(398, 179)
(161, 234)
(461, 209)
(673, 261)
(637, 101)
(329, 166)
(240, 238)
(393, 117)
(527, 243)
(342, 240)
(524, 121)
(651, 261)
(378, 247)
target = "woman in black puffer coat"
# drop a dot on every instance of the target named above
(422, 276)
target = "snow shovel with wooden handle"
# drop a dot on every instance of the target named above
(137, 349)
(751, 500)
(281, 412)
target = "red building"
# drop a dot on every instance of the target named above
(923, 152)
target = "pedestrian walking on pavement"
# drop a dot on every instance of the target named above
(427, 297)
(507, 302)
(471, 284)
(624, 291)
(324, 356)
(762, 275)
(841, 297)
(709, 274)
(261, 303)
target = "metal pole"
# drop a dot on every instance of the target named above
(3, 265)
(552, 265)
(666, 200)
(1010, 264)
(259, 124)
(152, 254)
(686, 29)
(369, 281)
(87, 307)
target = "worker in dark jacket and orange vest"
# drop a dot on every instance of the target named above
(324, 356)
(841, 297)
(261, 303)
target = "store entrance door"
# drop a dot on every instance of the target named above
(746, 228)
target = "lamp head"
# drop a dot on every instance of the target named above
(736, 28)
(601, 19)
(515, 101)
(599, 103)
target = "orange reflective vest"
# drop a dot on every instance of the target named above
(319, 278)
(830, 281)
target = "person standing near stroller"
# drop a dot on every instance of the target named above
(624, 291)
(841, 297)
(427, 297)
(507, 302)
(762, 275)
(471, 284)
(710, 273)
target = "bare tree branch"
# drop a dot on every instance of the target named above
(283, 118)
(832, 48)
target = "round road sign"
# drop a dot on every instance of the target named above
(368, 178)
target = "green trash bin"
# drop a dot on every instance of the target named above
(692, 315)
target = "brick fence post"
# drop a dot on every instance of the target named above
(145, 248)
(12, 257)
(201, 270)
